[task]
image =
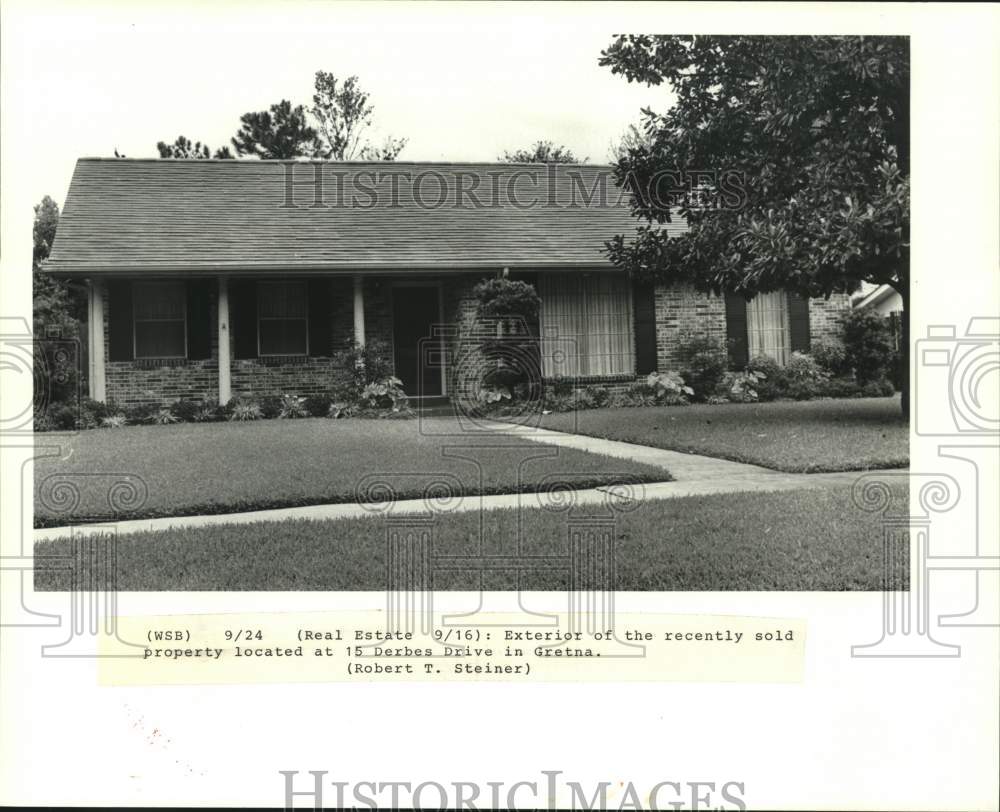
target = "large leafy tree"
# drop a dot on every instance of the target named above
(805, 142)
(343, 114)
(280, 133)
(183, 148)
(542, 152)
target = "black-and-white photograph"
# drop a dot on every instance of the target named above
(673, 356)
(400, 400)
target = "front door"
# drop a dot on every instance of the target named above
(415, 310)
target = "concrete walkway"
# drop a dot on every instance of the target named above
(694, 475)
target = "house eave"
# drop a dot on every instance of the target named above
(77, 269)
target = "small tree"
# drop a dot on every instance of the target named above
(55, 311)
(280, 133)
(512, 351)
(868, 346)
(183, 148)
(541, 152)
(343, 114)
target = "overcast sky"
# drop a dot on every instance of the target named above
(461, 83)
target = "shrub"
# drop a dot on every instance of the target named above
(804, 378)
(245, 410)
(92, 412)
(364, 364)
(270, 406)
(142, 413)
(506, 298)
(318, 405)
(841, 388)
(163, 417)
(771, 382)
(386, 393)
(208, 411)
(598, 395)
(704, 361)
(740, 387)
(292, 407)
(494, 394)
(558, 403)
(62, 416)
(114, 421)
(638, 394)
(831, 356)
(185, 410)
(868, 345)
(668, 387)
(878, 389)
(340, 409)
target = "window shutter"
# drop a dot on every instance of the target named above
(798, 322)
(243, 316)
(644, 315)
(199, 318)
(120, 343)
(736, 330)
(320, 313)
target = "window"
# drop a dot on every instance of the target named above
(283, 315)
(768, 326)
(159, 312)
(586, 325)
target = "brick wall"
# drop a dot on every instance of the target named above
(163, 382)
(825, 315)
(129, 383)
(679, 309)
(464, 337)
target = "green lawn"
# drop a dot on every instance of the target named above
(791, 540)
(810, 436)
(199, 468)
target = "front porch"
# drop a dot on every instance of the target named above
(157, 340)
(166, 339)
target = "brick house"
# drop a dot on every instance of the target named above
(212, 279)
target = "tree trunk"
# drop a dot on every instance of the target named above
(904, 352)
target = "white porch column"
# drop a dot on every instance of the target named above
(225, 375)
(359, 310)
(95, 341)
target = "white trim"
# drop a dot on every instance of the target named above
(225, 371)
(875, 297)
(359, 310)
(98, 383)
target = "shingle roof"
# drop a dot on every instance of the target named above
(202, 215)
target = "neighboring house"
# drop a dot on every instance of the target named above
(884, 300)
(213, 279)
